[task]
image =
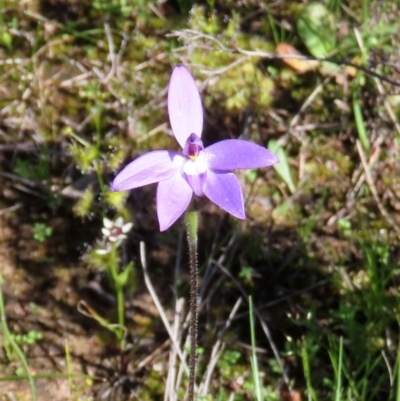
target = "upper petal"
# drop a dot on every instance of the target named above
(151, 167)
(223, 188)
(184, 105)
(237, 153)
(173, 198)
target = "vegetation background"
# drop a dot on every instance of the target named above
(298, 302)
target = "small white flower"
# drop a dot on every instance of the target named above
(104, 251)
(103, 247)
(117, 230)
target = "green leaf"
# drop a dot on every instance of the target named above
(123, 277)
(317, 29)
(282, 168)
(5, 40)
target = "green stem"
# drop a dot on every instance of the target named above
(99, 177)
(9, 339)
(121, 308)
(97, 121)
(119, 289)
(192, 226)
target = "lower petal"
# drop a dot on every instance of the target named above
(197, 183)
(195, 172)
(223, 188)
(173, 198)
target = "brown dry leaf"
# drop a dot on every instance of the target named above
(290, 395)
(351, 71)
(297, 64)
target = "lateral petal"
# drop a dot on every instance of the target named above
(173, 198)
(236, 153)
(184, 105)
(223, 188)
(149, 168)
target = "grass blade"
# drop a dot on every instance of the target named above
(254, 363)
(338, 393)
(362, 133)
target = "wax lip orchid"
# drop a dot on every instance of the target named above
(198, 170)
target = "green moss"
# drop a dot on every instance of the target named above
(240, 81)
(83, 207)
(84, 156)
(240, 86)
(208, 23)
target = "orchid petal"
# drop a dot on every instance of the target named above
(196, 182)
(173, 198)
(236, 153)
(184, 105)
(195, 172)
(149, 168)
(223, 188)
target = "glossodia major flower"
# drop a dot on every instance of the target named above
(198, 170)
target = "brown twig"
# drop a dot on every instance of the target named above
(186, 34)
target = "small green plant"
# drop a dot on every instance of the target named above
(105, 256)
(227, 363)
(29, 338)
(247, 274)
(345, 227)
(38, 171)
(41, 232)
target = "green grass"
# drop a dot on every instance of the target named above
(11, 346)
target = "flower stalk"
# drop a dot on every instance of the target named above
(115, 232)
(191, 228)
(119, 290)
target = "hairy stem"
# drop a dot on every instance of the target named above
(192, 225)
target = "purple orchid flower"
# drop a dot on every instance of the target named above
(198, 170)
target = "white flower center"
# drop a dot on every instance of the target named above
(195, 172)
(195, 167)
